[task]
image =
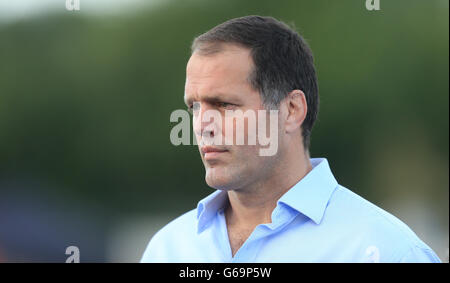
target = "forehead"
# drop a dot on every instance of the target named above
(224, 72)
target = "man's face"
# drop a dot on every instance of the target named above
(219, 82)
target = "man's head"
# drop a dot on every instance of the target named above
(251, 63)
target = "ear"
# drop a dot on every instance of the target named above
(296, 110)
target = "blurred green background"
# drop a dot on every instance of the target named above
(86, 96)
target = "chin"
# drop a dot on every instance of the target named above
(217, 180)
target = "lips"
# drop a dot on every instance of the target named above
(210, 152)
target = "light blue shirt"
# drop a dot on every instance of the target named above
(317, 220)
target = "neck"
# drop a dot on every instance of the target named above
(254, 204)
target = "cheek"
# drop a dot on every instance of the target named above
(238, 131)
(229, 130)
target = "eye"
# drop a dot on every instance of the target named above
(194, 107)
(225, 105)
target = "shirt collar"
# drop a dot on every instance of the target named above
(309, 196)
(208, 207)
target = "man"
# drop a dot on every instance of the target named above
(283, 207)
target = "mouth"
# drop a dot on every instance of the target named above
(212, 152)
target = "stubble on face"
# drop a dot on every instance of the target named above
(225, 76)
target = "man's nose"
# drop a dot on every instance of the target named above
(203, 123)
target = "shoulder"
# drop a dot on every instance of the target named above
(158, 249)
(375, 229)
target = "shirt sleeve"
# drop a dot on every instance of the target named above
(152, 252)
(420, 255)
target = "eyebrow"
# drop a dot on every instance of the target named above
(210, 99)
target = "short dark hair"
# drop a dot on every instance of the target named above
(283, 60)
